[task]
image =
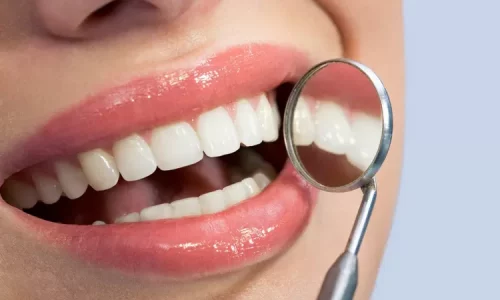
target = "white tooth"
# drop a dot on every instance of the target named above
(47, 187)
(157, 212)
(134, 158)
(213, 202)
(235, 193)
(73, 181)
(176, 146)
(251, 187)
(367, 132)
(333, 133)
(20, 194)
(217, 133)
(130, 218)
(262, 180)
(247, 124)
(276, 114)
(268, 122)
(186, 207)
(98, 223)
(100, 169)
(303, 125)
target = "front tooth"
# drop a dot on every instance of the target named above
(235, 193)
(186, 207)
(73, 181)
(367, 132)
(20, 194)
(47, 187)
(262, 180)
(134, 158)
(157, 212)
(100, 169)
(333, 133)
(213, 202)
(267, 119)
(217, 133)
(247, 124)
(176, 146)
(130, 218)
(303, 125)
(251, 187)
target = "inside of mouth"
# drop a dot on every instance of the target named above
(208, 175)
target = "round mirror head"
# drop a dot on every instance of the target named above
(338, 125)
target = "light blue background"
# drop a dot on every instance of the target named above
(445, 243)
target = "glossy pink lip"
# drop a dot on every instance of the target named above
(190, 247)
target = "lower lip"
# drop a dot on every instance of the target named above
(187, 248)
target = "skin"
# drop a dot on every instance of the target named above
(45, 71)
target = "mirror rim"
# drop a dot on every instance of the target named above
(385, 139)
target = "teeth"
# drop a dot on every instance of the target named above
(100, 169)
(235, 193)
(333, 133)
(134, 158)
(47, 187)
(20, 194)
(262, 180)
(217, 133)
(251, 186)
(157, 212)
(72, 180)
(98, 223)
(303, 125)
(213, 202)
(176, 146)
(186, 208)
(267, 119)
(247, 124)
(367, 132)
(130, 218)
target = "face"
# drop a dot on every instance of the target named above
(141, 155)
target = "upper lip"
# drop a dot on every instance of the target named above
(240, 235)
(158, 99)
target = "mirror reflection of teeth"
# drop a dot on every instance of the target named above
(326, 124)
(214, 133)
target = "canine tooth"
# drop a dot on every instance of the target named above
(367, 132)
(268, 122)
(134, 158)
(176, 146)
(47, 187)
(213, 202)
(20, 194)
(303, 125)
(130, 218)
(72, 180)
(262, 180)
(276, 114)
(217, 133)
(247, 124)
(333, 133)
(100, 169)
(186, 207)
(157, 212)
(235, 193)
(98, 223)
(251, 187)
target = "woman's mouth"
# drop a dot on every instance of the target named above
(186, 172)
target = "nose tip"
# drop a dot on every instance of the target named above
(66, 18)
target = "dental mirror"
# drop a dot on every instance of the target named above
(337, 130)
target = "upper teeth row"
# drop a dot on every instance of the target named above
(216, 133)
(325, 124)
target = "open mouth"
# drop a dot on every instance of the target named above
(202, 166)
(182, 188)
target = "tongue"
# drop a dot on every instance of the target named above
(208, 175)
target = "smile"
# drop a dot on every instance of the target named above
(180, 174)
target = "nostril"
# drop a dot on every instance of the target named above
(104, 12)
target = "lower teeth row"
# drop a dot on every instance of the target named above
(209, 203)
